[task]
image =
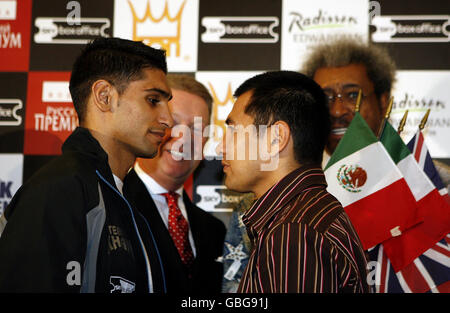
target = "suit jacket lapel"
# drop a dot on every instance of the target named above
(141, 200)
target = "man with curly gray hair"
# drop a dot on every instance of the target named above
(343, 67)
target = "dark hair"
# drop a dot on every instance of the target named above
(119, 61)
(379, 65)
(295, 99)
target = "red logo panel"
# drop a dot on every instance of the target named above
(50, 115)
(15, 27)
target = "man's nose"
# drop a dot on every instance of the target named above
(165, 117)
(339, 107)
(220, 147)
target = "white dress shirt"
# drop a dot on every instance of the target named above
(119, 183)
(156, 190)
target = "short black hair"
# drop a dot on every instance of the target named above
(295, 99)
(119, 61)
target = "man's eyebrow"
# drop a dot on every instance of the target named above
(351, 85)
(164, 93)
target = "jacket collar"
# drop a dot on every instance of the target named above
(81, 141)
(269, 204)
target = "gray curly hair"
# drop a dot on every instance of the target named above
(379, 65)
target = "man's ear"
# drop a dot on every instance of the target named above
(384, 102)
(280, 135)
(102, 92)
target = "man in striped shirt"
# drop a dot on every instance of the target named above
(302, 239)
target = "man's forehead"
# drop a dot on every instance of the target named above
(154, 79)
(237, 113)
(344, 75)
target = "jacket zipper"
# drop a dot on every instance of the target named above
(147, 262)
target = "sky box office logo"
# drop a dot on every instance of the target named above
(411, 28)
(216, 198)
(9, 112)
(240, 29)
(56, 30)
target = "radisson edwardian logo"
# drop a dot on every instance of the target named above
(351, 177)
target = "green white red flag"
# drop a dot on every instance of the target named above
(370, 187)
(433, 209)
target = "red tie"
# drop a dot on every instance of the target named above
(179, 229)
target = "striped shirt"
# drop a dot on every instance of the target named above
(303, 241)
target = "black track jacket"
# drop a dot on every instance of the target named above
(68, 229)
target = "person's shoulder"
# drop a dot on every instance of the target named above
(58, 180)
(205, 217)
(317, 208)
(52, 193)
(342, 233)
(61, 172)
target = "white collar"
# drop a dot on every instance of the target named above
(325, 158)
(152, 185)
(119, 183)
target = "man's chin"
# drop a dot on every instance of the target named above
(149, 154)
(230, 185)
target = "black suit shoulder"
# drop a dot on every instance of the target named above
(205, 221)
(208, 233)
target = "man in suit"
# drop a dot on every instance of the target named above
(189, 239)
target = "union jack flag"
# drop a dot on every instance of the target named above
(419, 149)
(430, 272)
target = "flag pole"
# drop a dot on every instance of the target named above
(386, 117)
(358, 100)
(402, 122)
(424, 120)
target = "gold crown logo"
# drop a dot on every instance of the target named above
(217, 103)
(164, 41)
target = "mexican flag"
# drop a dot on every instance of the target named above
(433, 208)
(370, 187)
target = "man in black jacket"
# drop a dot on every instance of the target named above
(189, 239)
(69, 228)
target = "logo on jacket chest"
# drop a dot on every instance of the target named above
(117, 239)
(121, 285)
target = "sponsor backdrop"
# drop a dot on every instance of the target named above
(221, 43)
